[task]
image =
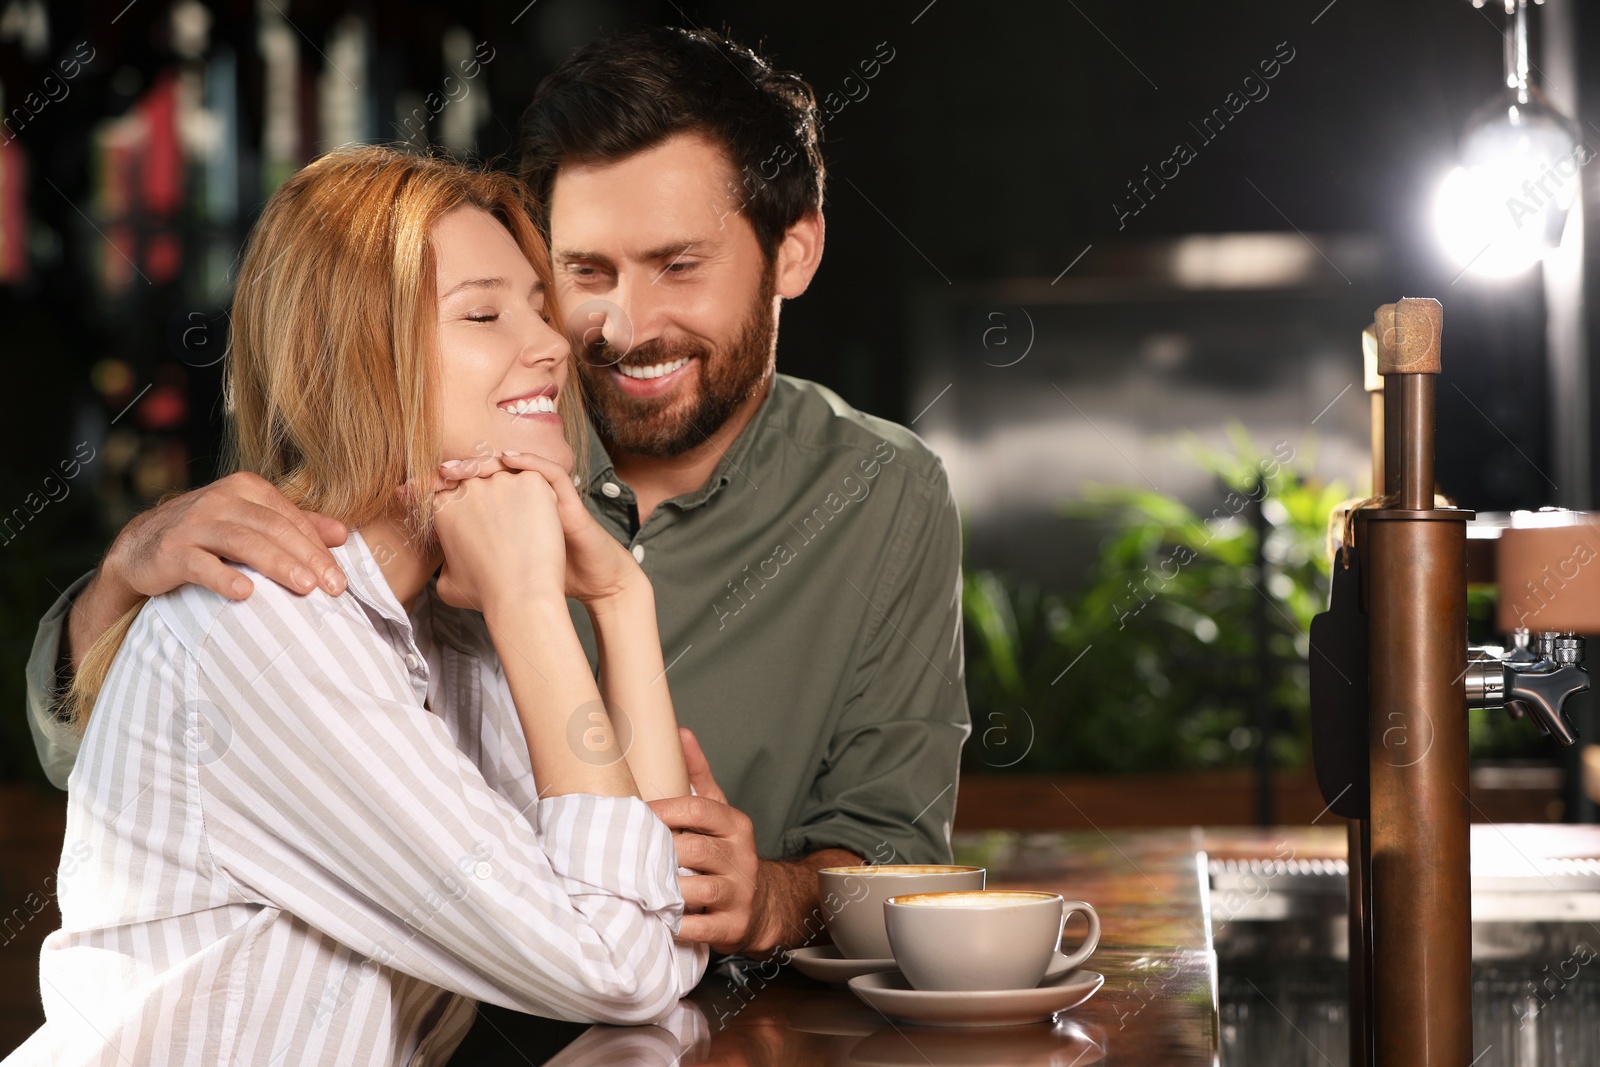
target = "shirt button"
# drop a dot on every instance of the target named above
(483, 870)
(638, 553)
(412, 661)
(611, 490)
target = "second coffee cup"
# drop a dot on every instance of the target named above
(852, 899)
(998, 939)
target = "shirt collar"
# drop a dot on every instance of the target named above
(733, 467)
(431, 616)
(365, 581)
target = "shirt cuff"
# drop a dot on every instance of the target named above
(611, 845)
(53, 739)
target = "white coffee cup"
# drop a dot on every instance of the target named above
(852, 899)
(990, 939)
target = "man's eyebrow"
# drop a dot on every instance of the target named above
(566, 256)
(674, 249)
(475, 283)
(670, 250)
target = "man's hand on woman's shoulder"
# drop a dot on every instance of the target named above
(185, 540)
(241, 518)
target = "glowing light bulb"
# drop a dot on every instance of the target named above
(1506, 205)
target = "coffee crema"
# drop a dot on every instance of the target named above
(976, 898)
(901, 869)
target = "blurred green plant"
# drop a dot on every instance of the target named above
(1152, 665)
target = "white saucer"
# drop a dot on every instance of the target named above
(825, 964)
(1062, 988)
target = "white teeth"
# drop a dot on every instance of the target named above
(655, 371)
(530, 406)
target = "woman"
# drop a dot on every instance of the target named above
(317, 829)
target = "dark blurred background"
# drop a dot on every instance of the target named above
(1002, 272)
(1112, 363)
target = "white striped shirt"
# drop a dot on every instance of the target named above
(305, 830)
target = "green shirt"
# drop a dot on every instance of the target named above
(809, 602)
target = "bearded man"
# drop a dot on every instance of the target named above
(805, 556)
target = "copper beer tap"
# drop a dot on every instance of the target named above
(1392, 679)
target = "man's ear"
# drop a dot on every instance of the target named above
(799, 255)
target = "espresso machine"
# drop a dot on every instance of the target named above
(1392, 679)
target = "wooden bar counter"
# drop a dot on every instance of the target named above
(1158, 1006)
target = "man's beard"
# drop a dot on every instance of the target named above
(666, 426)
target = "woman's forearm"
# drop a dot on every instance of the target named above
(633, 682)
(572, 743)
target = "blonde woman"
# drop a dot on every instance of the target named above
(318, 829)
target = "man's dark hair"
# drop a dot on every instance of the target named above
(624, 94)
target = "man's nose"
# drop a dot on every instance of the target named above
(634, 316)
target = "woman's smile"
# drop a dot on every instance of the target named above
(531, 404)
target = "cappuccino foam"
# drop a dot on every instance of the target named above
(975, 898)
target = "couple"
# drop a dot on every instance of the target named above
(409, 795)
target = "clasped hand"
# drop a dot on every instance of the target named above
(514, 525)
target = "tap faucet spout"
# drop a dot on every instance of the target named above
(1543, 698)
(1537, 687)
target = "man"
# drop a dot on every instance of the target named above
(805, 556)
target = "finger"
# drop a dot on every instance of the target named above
(333, 532)
(243, 497)
(294, 555)
(202, 568)
(246, 544)
(310, 546)
(438, 484)
(715, 929)
(457, 475)
(559, 477)
(702, 853)
(705, 891)
(446, 491)
(527, 461)
(461, 470)
(701, 815)
(700, 777)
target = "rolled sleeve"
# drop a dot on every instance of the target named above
(614, 846)
(606, 849)
(53, 739)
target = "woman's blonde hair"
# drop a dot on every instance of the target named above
(331, 382)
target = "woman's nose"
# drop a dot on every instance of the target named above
(544, 344)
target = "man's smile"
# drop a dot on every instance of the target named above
(656, 370)
(652, 380)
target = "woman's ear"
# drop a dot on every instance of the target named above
(799, 254)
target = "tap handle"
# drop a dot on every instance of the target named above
(1543, 696)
